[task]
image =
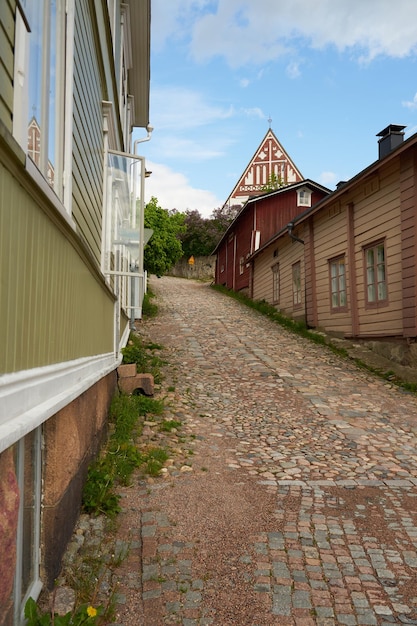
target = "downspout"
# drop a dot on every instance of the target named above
(290, 227)
(142, 288)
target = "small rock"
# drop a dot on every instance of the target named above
(64, 600)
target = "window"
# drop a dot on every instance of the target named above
(296, 285)
(255, 241)
(41, 76)
(337, 269)
(241, 265)
(275, 283)
(123, 237)
(304, 197)
(375, 274)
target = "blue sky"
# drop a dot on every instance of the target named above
(330, 74)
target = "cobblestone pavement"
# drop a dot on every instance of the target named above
(317, 464)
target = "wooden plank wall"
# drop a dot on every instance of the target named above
(52, 307)
(408, 242)
(7, 34)
(286, 253)
(88, 131)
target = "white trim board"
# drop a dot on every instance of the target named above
(29, 397)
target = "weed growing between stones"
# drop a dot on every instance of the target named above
(121, 456)
(144, 355)
(301, 329)
(84, 615)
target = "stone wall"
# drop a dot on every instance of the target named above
(9, 511)
(72, 438)
(202, 269)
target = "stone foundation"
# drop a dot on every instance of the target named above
(72, 439)
(9, 510)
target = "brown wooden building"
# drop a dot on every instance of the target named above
(348, 264)
(256, 223)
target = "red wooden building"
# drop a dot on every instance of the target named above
(270, 162)
(259, 220)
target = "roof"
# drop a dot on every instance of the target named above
(270, 135)
(270, 194)
(139, 74)
(342, 189)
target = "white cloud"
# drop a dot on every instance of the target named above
(184, 109)
(187, 149)
(173, 191)
(244, 82)
(173, 19)
(255, 112)
(328, 179)
(293, 69)
(245, 32)
(411, 104)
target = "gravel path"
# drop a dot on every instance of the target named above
(291, 494)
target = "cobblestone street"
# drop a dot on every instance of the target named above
(299, 503)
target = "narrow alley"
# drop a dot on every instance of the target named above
(298, 505)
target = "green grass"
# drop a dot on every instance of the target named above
(169, 425)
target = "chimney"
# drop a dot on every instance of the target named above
(391, 137)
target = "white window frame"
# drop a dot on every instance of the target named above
(297, 294)
(304, 197)
(63, 98)
(35, 585)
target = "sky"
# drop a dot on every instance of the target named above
(327, 75)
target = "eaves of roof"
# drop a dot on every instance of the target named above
(343, 189)
(139, 73)
(270, 194)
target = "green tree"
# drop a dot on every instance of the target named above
(274, 182)
(203, 234)
(164, 248)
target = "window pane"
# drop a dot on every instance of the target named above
(381, 273)
(370, 257)
(382, 291)
(52, 104)
(380, 254)
(35, 12)
(371, 293)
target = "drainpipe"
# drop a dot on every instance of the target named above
(149, 130)
(290, 227)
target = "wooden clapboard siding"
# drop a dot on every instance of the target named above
(291, 253)
(408, 195)
(89, 93)
(53, 308)
(378, 217)
(262, 275)
(7, 34)
(378, 205)
(330, 241)
(288, 253)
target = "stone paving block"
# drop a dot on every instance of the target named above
(130, 383)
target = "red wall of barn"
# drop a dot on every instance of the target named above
(267, 215)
